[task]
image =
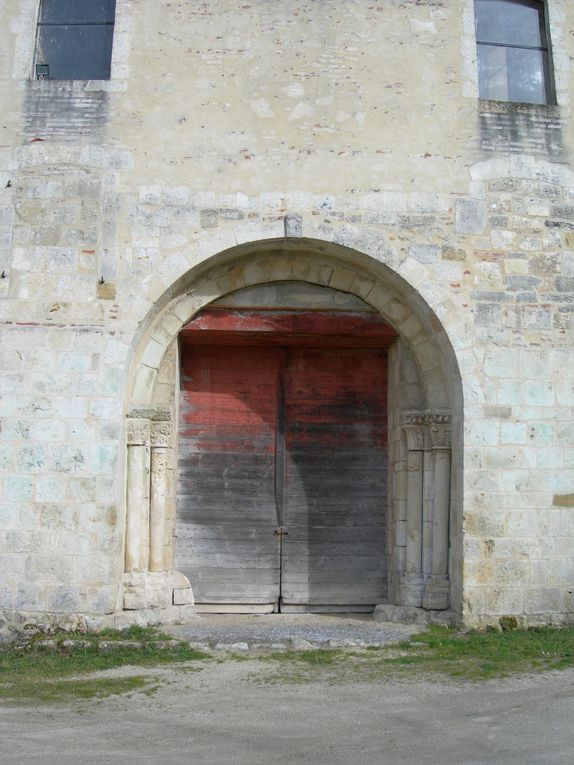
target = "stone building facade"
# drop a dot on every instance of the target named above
(338, 149)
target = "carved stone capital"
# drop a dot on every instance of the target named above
(161, 433)
(439, 428)
(414, 418)
(414, 427)
(138, 432)
(427, 430)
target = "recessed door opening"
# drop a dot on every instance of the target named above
(283, 461)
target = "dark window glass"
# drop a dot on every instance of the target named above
(75, 39)
(74, 11)
(513, 60)
(76, 52)
(510, 23)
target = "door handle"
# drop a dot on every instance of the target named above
(280, 532)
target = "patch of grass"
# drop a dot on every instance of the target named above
(54, 668)
(482, 655)
(147, 634)
(58, 690)
(315, 658)
(438, 652)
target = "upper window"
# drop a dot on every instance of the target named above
(75, 39)
(512, 44)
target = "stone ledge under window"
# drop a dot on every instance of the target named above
(65, 109)
(518, 128)
(486, 106)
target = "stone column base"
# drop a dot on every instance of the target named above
(436, 594)
(412, 590)
(408, 615)
(156, 589)
(150, 617)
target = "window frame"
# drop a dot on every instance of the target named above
(548, 71)
(37, 74)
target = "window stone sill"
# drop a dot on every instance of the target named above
(75, 86)
(487, 106)
(508, 127)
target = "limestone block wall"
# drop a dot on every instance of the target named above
(224, 126)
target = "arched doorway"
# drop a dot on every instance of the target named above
(422, 555)
(282, 451)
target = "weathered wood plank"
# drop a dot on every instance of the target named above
(340, 591)
(310, 487)
(189, 463)
(328, 608)
(234, 561)
(301, 578)
(240, 531)
(224, 607)
(350, 565)
(251, 484)
(334, 513)
(235, 531)
(245, 551)
(242, 580)
(338, 550)
(288, 327)
(303, 597)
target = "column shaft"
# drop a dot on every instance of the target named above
(437, 586)
(137, 507)
(412, 580)
(414, 512)
(441, 512)
(158, 501)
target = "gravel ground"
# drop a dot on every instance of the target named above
(257, 712)
(221, 714)
(283, 631)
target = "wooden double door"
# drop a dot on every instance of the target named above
(282, 476)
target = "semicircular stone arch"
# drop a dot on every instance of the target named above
(425, 419)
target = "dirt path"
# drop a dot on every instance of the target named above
(223, 714)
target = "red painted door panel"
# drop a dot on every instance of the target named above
(335, 477)
(226, 512)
